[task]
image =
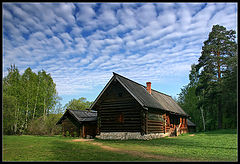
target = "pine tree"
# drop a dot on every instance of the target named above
(218, 49)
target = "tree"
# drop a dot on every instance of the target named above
(29, 93)
(189, 100)
(9, 107)
(80, 104)
(11, 88)
(58, 108)
(213, 81)
(33, 95)
(218, 50)
(47, 93)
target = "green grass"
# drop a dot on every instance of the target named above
(218, 145)
(38, 148)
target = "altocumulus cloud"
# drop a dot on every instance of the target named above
(81, 44)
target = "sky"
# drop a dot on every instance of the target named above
(82, 44)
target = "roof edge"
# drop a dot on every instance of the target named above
(114, 73)
(139, 101)
(100, 94)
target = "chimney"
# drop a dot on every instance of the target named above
(149, 87)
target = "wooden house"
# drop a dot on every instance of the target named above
(79, 123)
(126, 106)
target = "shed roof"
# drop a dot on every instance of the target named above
(155, 100)
(79, 115)
(190, 123)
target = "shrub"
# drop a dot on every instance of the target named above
(45, 125)
(67, 134)
(75, 134)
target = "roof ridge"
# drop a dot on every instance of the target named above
(140, 84)
(78, 110)
(161, 92)
(128, 79)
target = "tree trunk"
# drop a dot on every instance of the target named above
(218, 65)
(44, 109)
(204, 126)
(26, 119)
(16, 120)
(219, 97)
(34, 110)
(219, 115)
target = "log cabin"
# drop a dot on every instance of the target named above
(79, 123)
(127, 108)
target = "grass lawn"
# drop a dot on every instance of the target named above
(57, 148)
(220, 145)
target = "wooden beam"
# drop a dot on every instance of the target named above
(83, 131)
(146, 122)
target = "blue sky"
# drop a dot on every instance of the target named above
(81, 44)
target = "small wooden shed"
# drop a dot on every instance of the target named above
(191, 126)
(79, 123)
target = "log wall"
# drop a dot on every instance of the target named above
(154, 125)
(118, 111)
(89, 128)
(67, 125)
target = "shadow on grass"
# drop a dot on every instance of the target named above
(221, 131)
(81, 151)
(186, 141)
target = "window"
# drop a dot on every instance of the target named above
(171, 119)
(157, 117)
(120, 118)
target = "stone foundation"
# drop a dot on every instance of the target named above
(130, 135)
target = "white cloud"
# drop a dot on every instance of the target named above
(7, 15)
(146, 14)
(76, 31)
(86, 13)
(107, 17)
(127, 17)
(81, 44)
(185, 17)
(167, 17)
(66, 10)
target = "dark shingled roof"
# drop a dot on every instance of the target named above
(168, 103)
(140, 92)
(190, 123)
(79, 115)
(156, 100)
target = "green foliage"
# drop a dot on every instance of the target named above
(74, 134)
(34, 95)
(211, 94)
(78, 104)
(218, 52)
(45, 125)
(9, 104)
(67, 134)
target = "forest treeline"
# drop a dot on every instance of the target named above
(31, 104)
(26, 97)
(210, 98)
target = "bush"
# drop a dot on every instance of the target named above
(74, 134)
(67, 134)
(45, 125)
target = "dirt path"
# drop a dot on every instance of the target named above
(131, 152)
